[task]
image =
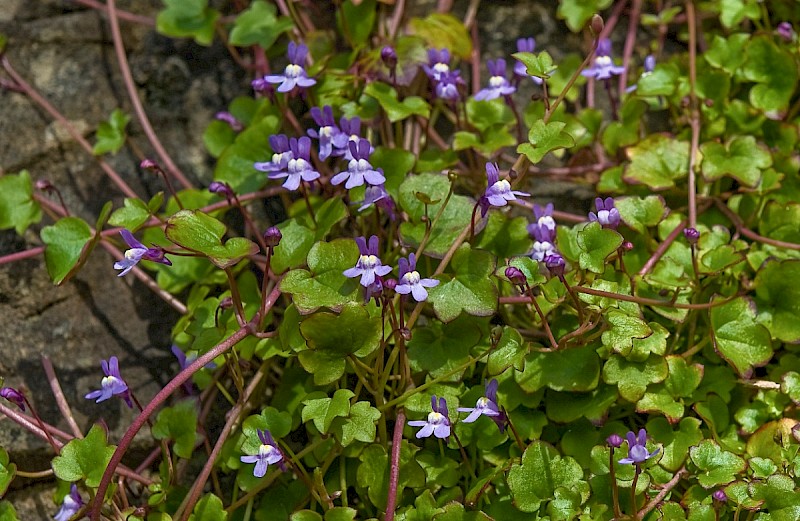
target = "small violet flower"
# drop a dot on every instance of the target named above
(377, 195)
(359, 168)
(268, 454)
(498, 192)
(603, 67)
(411, 282)
(637, 451)
(543, 232)
(137, 252)
(70, 505)
(350, 131)
(486, 406)
(607, 215)
(369, 266)
(294, 75)
(112, 384)
(281, 154)
(555, 264)
(649, 67)
(785, 31)
(520, 70)
(230, 119)
(328, 130)
(438, 422)
(298, 168)
(389, 56)
(184, 360)
(447, 88)
(498, 83)
(438, 64)
(14, 396)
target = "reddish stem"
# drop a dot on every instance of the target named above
(394, 470)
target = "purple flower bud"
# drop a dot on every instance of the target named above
(720, 495)
(14, 396)
(226, 303)
(597, 24)
(615, 440)
(516, 276)
(785, 31)
(691, 235)
(272, 237)
(627, 245)
(390, 284)
(223, 189)
(43, 185)
(227, 117)
(556, 264)
(149, 164)
(389, 57)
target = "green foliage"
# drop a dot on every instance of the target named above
(201, 233)
(8, 471)
(66, 243)
(190, 18)
(468, 289)
(179, 424)
(18, 209)
(84, 459)
(258, 25)
(111, 134)
(441, 30)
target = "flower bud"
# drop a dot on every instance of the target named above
(389, 57)
(627, 245)
(719, 495)
(785, 31)
(272, 237)
(43, 185)
(149, 164)
(516, 276)
(390, 284)
(226, 303)
(217, 187)
(597, 24)
(615, 440)
(555, 264)
(230, 119)
(691, 235)
(406, 334)
(14, 396)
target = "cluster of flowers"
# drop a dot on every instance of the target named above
(371, 270)
(438, 421)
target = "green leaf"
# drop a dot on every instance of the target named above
(331, 338)
(470, 290)
(779, 221)
(775, 72)
(341, 514)
(356, 20)
(85, 458)
(780, 497)
(657, 161)
(640, 213)
(7, 471)
(778, 302)
(359, 425)
(111, 134)
(131, 216)
(504, 236)
(201, 233)
(544, 138)
(217, 136)
(727, 53)
(258, 25)
(577, 12)
(373, 472)
(444, 31)
(395, 109)
(488, 114)
(659, 400)
(575, 369)
(455, 511)
(662, 81)
(683, 378)
(306, 515)
(396, 164)
(296, 242)
(539, 64)
(565, 407)
(7, 511)
(184, 18)
(675, 444)
(18, 209)
(323, 284)
(732, 12)
(209, 508)
(596, 244)
(510, 352)
(178, 423)
(716, 466)
(439, 348)
(324, 410)
(741, 158)
(632, 378)
(541, 473)
(65, 244)
(738, 338)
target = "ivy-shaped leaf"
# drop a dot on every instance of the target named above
(640, 213)
(541, 472)
(322, 411)
(111, 134)
(716, 466)
(178, 423)
(775, 72)
(738, 338)
(358, 425)
(395, 109)
(577, 12)
(544, 138)
(539, 64)
(85, 458)
(8, 471)
(741, 158)
(778, 302)
(64, 246)
(470, 289)
(188, 18)
(209, 508)
(131, 216)
(258, 25)
(18, 209)
(201, 233)
(657, 162)
(632, 378)
(596, 244)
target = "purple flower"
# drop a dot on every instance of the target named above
(377, 195)
(498, 83)
(328, 130)
(649, 67)
(615, 440)
(389, 56)
(719, 495)
(438, 64)
(268, 454)
(520, 70)
(785, 31)
(438, 422)
(137, 252)
(486, 406)
(543, 232)
(294, 75)
(221, 188)
(691, 234)
(498, 192)
(350, 132)
(281, 154)
(112, 384)
(637, 451)
(369, 266)
(447, 88)
(14, 396)
(359, 168)
(70, 505)
(607, 214)
(184, 360)
(603, 67)
(411, 282)
(298, 168)
(555, 264)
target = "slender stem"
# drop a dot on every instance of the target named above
(614, 488)
(630, 43)
(394, 470)
(122, 15)
(635, 514)
(750, 234)
(520, 444)
(130, 86)
(464, 455)
(37, 98)
(524, 299)
(662, 248)
(61, 400)
(662, 493)
(34, 475)
(545, 324)
(695, 112)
